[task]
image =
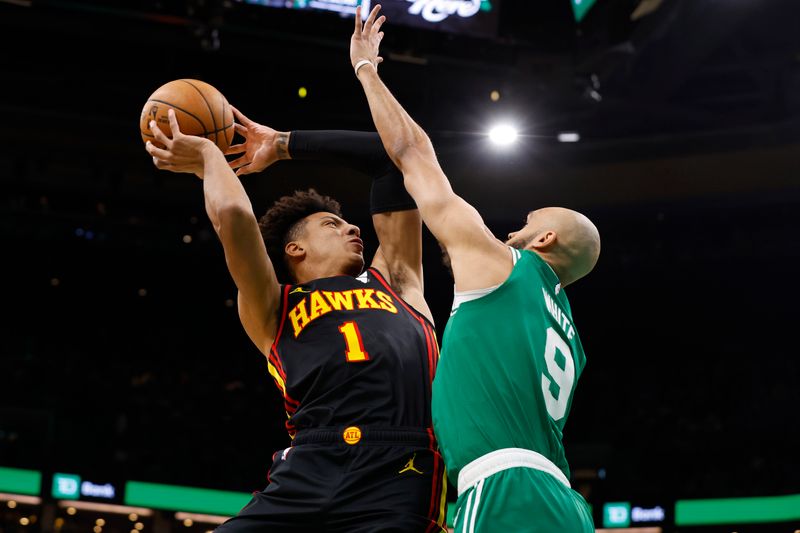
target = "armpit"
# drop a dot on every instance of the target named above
(399, 279)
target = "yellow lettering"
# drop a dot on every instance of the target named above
(323, 302)
(386, 302)
(340, 300)
(318, 306)
(364, 297)
(299, 317)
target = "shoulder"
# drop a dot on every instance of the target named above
(479, 267)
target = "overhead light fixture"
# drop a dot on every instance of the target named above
(569, 137)
(503, 134)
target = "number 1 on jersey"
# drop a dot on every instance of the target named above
(355, 351)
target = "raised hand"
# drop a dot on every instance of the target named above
(181, 153)
(366, 38)
(262, 146)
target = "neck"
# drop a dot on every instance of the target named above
(304, 273)
(561, 271)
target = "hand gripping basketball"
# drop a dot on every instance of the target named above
(200, 107)
(181, 153)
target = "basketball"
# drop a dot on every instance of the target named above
(201, 109)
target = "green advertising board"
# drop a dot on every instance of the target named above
(20, 481)
(177, 498)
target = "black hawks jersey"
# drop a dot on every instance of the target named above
(351, 351)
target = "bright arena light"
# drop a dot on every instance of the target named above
(569, 137)
(503, 135)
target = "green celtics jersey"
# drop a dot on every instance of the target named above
(509, 365)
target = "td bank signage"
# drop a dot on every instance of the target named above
(72, 487)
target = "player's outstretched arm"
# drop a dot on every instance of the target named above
(262, 146)
(478, 259)
(231, 214)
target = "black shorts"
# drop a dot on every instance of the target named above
(389, 481)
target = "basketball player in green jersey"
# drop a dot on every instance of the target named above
(511, 355)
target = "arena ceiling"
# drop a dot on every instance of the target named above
(661, 92)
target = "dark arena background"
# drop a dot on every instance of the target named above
(131, 398)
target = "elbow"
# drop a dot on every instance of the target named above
(413, 149)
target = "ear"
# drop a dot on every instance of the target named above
(295, 251)
(544, 240)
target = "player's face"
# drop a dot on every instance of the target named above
(521, 238)
(331, 241)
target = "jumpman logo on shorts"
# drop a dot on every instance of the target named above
(410, 466)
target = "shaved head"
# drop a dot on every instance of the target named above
(565, 239)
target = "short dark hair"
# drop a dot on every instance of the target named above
(284, 222)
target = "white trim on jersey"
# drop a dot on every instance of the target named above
(503, 459)
(467, 296)
(466, 512)
(478, 491)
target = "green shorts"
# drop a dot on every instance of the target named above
(522, 500)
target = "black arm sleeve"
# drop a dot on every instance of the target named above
(359, 150)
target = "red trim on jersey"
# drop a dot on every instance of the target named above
(424, 322)
(431, 363)
(277, 363)
(273, 350)
(436, 496)
(416, 314)
(284, 305)
(431, 351)
(435, 342)
(270, 468)
(290, 403)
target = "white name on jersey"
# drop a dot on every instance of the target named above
(559, 315)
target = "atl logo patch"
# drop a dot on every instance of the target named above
(352, 435)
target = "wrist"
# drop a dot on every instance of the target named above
(363, 64)
(209, 150)
(281, 144)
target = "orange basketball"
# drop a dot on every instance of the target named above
(200, 108)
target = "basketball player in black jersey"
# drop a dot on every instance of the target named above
(352, 351)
